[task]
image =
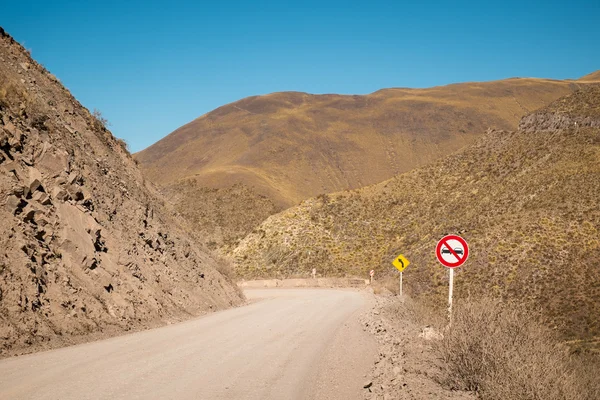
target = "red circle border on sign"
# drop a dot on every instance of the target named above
(438, 251)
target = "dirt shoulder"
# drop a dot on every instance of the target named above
(357, 283)
(406, 366)
(347, 360)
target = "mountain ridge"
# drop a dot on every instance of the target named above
(290, 146)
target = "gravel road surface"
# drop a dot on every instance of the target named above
(286, 344)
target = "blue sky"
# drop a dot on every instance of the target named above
(153, 66)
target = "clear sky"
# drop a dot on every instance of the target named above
(153, 66)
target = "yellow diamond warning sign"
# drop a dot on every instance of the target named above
(401, 263)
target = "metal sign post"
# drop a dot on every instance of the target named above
(400, 283)
(400, 263)
(451, 251)
(450, 290)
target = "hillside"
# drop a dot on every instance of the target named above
(593, 77)
(287, 147)
(89, 249)
(219, 217)
(525, 200)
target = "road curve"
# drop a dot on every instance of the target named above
(274, 348)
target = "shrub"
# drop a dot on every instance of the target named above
(123, 145)
(100, 122)
(502, 352)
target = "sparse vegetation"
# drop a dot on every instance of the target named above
(99, 121)
(526, 201)
(501, 351)
(220, 217)
(123, 144)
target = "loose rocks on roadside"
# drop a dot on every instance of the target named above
(406, 366)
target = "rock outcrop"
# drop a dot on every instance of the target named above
(580, 110)
(86, 245)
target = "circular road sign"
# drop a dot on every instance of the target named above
(372, 272)
(452, 251)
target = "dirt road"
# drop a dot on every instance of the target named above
(287, 344)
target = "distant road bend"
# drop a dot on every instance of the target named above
(288, 344)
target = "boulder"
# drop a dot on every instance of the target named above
(72, 178)
(41, 198)
(31, 213)
(48, 233)
(41, 219)
(15, 140)
(9, 127)
(10, 166)
(15, 204)
(52, 164)
(35, 180)
(3, 138)
(76, 242)
(60, 194)
(90, 263)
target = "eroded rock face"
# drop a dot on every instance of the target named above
(546, 121)
(86, 246)
(578, 111)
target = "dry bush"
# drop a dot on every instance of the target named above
(124, 145)
(99, 121)
(502, 352)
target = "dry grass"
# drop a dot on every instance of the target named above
(100, 122)
(501, 352)
(219, 217)
(526, 202)
(292, 146)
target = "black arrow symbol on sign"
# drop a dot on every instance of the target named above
(401, 262)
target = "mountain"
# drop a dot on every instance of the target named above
(88, 247)
(286, 147)
(593, 77)
(526, 201)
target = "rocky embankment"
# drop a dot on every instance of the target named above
(88, 247)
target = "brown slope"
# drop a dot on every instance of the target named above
(88, 248)
(295, 145)
(526, 201)
(290, 146)
(593, 77)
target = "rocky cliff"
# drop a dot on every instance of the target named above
(86, 245)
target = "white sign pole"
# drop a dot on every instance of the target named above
(450, 289)
(400, 283)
